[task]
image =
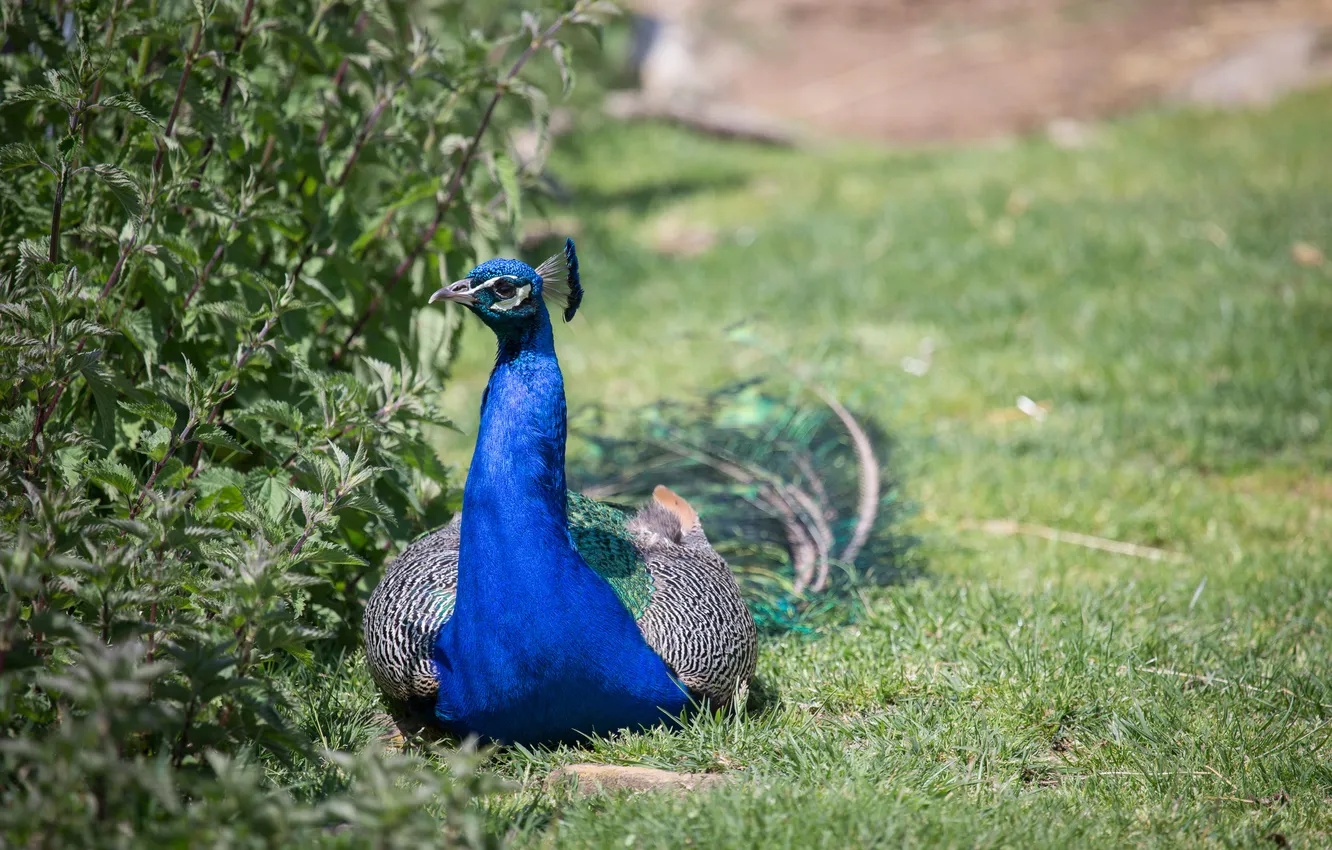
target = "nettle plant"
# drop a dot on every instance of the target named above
(219, 222)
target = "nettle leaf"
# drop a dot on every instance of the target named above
(16, 428)
(174, 473)
(155, 410)
(17, 155)
(36, 94)
(382, 371)
(220, 489)
(531, 23)
(325, 552)
(273, 410)
(233, 310)
(138, 328)
(212, 435)
(112, 474)
(100, 382)
(158, 444)
(267, 494)
(366, 502)
(123, 187)
(311, 505)
(222, 500)
(126, 103)
(215, 478)
(596, 15)
(69, 146)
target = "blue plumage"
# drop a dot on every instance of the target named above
(538, 647)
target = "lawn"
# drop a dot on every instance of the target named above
(1021, 692)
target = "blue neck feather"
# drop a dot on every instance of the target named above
(543, 648)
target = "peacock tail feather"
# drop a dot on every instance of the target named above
(797, 497)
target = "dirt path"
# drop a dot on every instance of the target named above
(943, 70)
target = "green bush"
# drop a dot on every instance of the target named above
(219, 223)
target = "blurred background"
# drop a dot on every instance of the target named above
(1070, 255)
(926, 71)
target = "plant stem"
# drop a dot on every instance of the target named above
(97, 86)
(54, 253)
(199, 283)
(112, 278)
(180, 97)
(364, 135)
(176, 442)
(455, 184)
(241, 36)
(338, 77)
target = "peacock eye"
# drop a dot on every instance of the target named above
(505, 288)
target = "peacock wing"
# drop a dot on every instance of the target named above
(680, 591)
(406, 611)
(657, 560)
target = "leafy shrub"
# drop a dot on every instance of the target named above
(219, 222)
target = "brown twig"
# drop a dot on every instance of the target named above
(241, 35)
(447, 199)
(363, 135)
(180, 97)
(198, 283)
(111, 279)
(338, 77)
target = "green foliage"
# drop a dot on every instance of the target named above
(219, 222)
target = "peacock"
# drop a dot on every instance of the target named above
(538, 614)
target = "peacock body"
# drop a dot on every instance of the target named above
(678, 589)
(540, 614)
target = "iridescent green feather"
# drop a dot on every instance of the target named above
(600, 534)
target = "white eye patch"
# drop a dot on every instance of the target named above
(515, 300)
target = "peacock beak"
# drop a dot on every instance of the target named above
(459, 291)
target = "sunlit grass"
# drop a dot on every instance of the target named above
(1024, 693)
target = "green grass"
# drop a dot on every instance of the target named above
(1022, 693)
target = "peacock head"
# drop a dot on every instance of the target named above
(506, 294)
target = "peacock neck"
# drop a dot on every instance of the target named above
(515, 515)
